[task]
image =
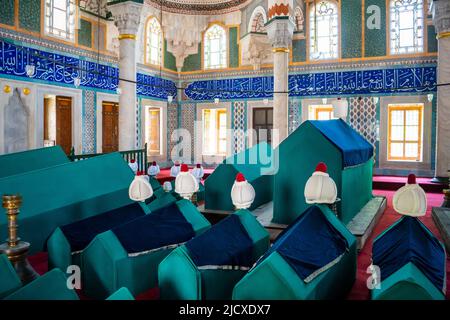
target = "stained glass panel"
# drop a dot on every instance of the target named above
(406, 26)
(153, 42)
(324, 29)
(215, 55)
(60, 18)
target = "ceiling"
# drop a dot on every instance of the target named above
(206, 7)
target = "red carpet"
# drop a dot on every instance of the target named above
(164, 175)
(360, 290)
(394, 183)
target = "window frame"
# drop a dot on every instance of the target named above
(48, 25)
(406, 107)
(147, 43)
(390, 31)
(149, 109)
(310, 30)
(225, 50)
(214, 112)
(314, 110)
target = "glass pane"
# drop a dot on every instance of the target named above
(412, 133)
(222, 146)
(215, 47)
(60, 4)
(406, 20)
(323, 115)
(59, 20)
(407, 38)
(215, 61)
(396, 150)
(411, 150)
(397, 133)
(397, 117)
(412, 117)
(154, 130)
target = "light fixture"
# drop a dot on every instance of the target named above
(340, 108)
(169, 99)
(266, 101)
(375, 100)
(324, 100)
(216, 100)
(26, 91)
(119, 90)
(6, 89)
(76, 82)
(30, 70)
(430, 97)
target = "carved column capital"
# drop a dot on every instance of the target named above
(127, 18)
(441, 16)
(280, 32)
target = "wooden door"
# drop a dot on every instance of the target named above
(64, 123)
(110, 134)
(263, 120)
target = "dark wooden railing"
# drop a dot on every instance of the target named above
(140, 155)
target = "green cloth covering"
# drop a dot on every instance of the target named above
(60, 254)
(298, 157)
(50, 286)
(121, 294)
(179, 277)
(108, 267)
(154, 183)
(252, 163)
(407, 283)
(66, 193)
(162, 199)
(9, 280)
(274, 278)
(30, 160)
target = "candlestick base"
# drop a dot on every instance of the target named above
(17, 255)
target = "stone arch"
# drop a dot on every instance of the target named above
(258, 20)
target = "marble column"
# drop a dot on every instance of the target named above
(127, 18)
(441, 21)
(280, 29)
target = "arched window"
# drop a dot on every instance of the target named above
(299, 19)
(153, 42)
(324, 31)
(60, 19)
(215, 47)
(258, 20)
(406, 26)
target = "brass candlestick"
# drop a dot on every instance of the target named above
(14, 248)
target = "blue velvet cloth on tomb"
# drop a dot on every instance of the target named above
(79, 234)
(354, 148)
(410, 241)
(226, 243)
(164, 227)
(310, 245)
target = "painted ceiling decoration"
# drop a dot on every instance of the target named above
(199, 6)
